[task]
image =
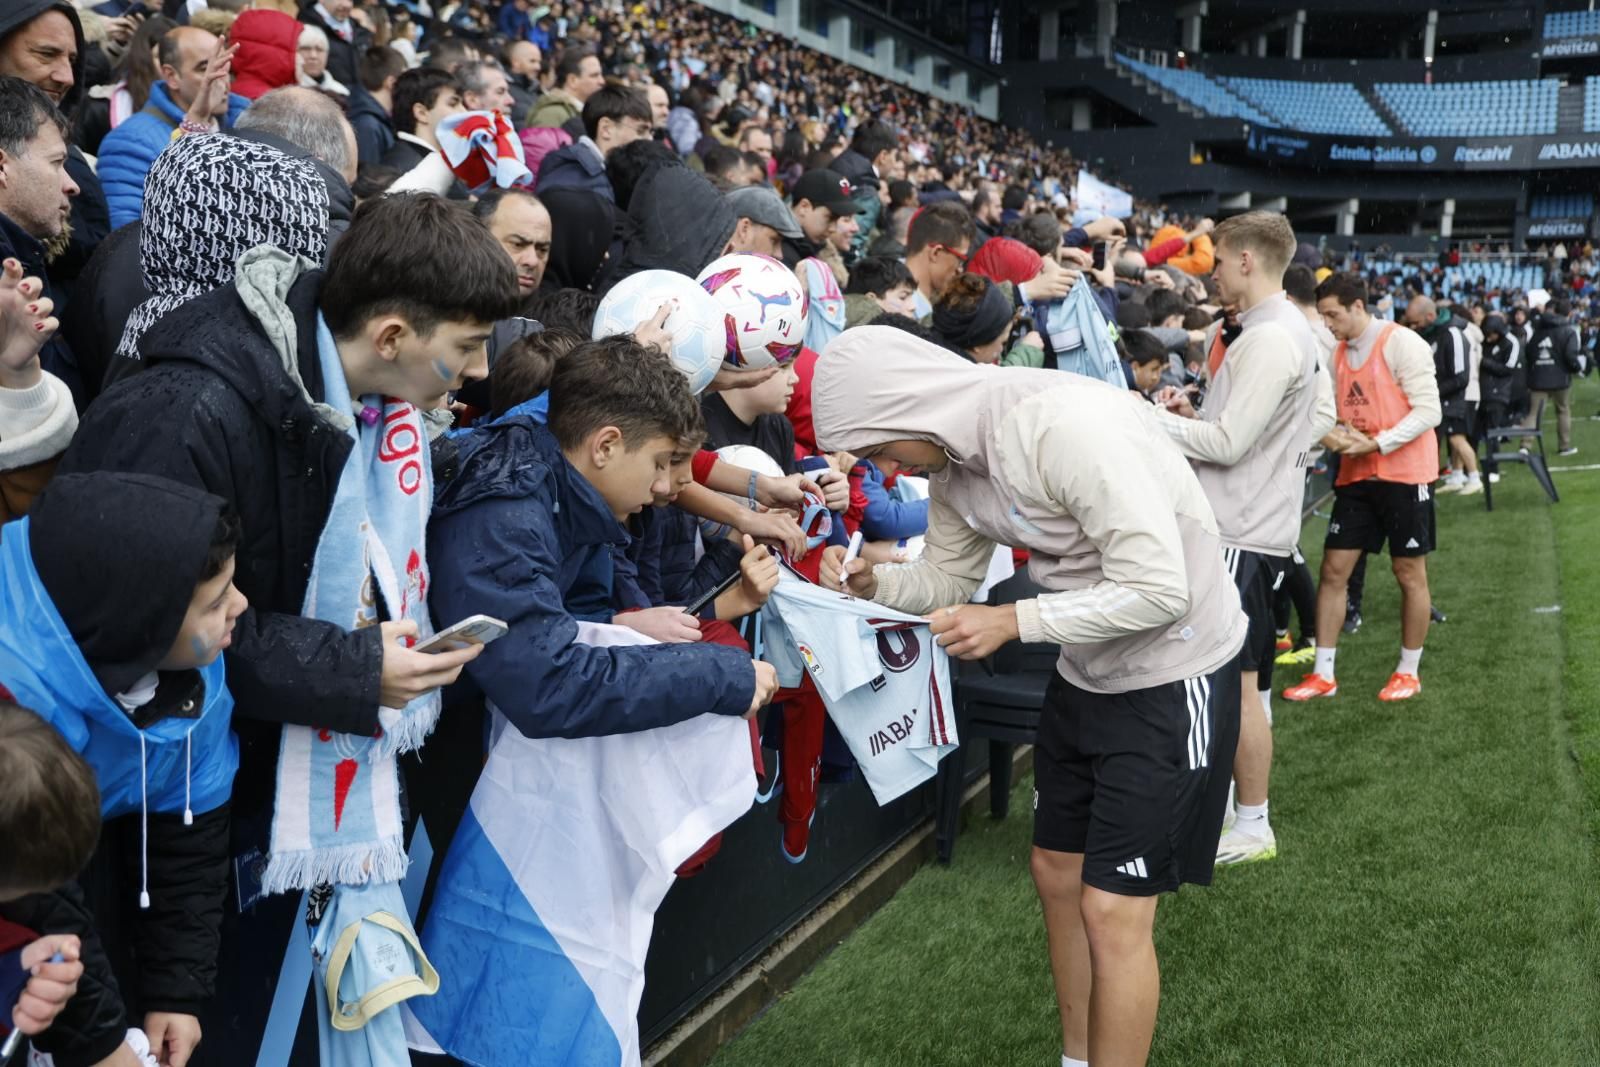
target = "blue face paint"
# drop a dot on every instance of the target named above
(445, 373)
(201, 650)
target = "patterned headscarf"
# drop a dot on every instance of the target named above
(209, 199)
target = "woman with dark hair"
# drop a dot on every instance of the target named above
(106, 106)
(973, 317)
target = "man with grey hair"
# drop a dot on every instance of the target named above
(299, 122)
(309, 122)
(485, 87)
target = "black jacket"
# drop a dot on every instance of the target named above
(1501, 370)
(216, 409)
(797, 248)
(1553, 353)
(57, 357)
(92, 1024)
(1451, 366)
(676, 221)
(91, 218)
(343, 55)
(374, 129)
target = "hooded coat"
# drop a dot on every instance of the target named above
(65, 648)
(1554, 354)
(223, 408)
(1077, 472)
(676, 221)
(268, 43)
(1502, 370)
(114, 284)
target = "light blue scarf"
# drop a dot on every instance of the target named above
(337, 817)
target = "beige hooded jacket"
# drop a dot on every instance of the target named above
(1076, 472)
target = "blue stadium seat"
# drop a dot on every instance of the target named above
(1477, 108)
(1572, 24)
(1315, 107)
(1197, 89)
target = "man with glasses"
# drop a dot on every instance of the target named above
(613, 116)
(939, 243)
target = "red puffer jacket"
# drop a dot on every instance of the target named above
(268, 41)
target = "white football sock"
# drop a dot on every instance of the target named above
(1068, 1061)
(1324, 665)
(1252, 819)
(1410, 660)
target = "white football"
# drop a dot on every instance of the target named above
(763, 306)
(695, 323)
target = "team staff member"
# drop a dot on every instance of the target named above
(1139, 725)
(1388, 401)
(1248, 445)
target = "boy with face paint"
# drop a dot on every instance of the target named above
(122, 605)
(1139, 725)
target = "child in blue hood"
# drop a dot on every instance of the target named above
(120, 601)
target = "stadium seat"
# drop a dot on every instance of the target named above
(997, 699)
(1496, 451)
(1315, 107)
(1198, 90)
(1469, 109)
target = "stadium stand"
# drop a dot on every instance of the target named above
(1561, 206)
(1198, 90)
(1315, 107)
(1462, 282)
(1572, 24)
(1473, 109)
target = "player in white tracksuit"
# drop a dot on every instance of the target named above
(1137, 734)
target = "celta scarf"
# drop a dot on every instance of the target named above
(337, 817)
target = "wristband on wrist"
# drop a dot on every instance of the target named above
(190, 126)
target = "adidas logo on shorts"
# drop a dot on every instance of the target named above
(1413, 543)
(1134, 869)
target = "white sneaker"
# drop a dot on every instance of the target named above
(1494, 479)
(1452, 484)
(1238, 846)
(1474, 485)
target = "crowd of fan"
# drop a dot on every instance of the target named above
(187, 409)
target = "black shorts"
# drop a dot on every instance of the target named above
(1451, 425)
(1137, 781)
(1258, 578)
(1366, 514)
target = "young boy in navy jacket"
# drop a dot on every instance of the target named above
(527, 533)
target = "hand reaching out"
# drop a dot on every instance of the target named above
(26, 323)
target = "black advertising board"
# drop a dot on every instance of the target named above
(1330, 152)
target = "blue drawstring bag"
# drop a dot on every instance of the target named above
(1077, 334)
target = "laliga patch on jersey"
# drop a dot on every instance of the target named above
(810, 658)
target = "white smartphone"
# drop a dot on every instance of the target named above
(473, 630)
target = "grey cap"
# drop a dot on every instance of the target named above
(760, 204)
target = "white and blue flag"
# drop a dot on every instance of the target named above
(542, 917)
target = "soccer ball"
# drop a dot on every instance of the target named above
(695, 324)
(764, 308)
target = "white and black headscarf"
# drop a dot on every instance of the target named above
(209, 199)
